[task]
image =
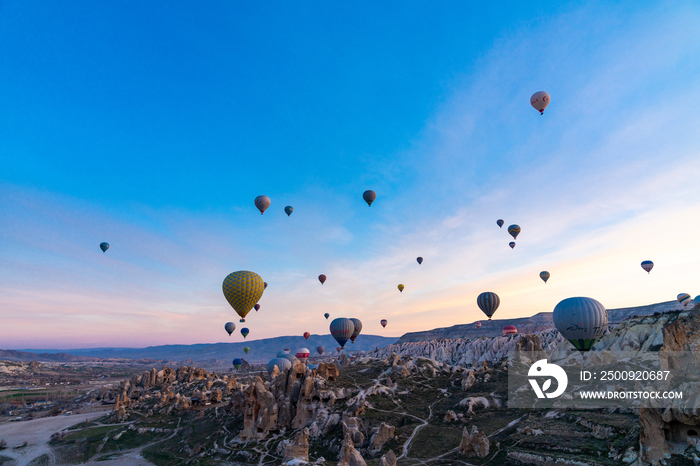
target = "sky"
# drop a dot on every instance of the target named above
(154, 125)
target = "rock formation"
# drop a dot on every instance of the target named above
(298, 449)
(348, 455)
(474, 442)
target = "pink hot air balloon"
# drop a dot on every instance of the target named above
(262, 203)
(540, 100)
(510, 330)
(338, 349)
(478, 325)
(257, 307)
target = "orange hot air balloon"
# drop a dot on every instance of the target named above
(322, 279)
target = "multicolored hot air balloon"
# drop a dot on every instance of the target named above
(288, 210)
(245, 332)
(246, 349)
(256, 307)
(237, 363)
(322, 279)
(369, 196)
(383, 322)
(544, 275)
(514, 231)
(230, 327)
(262, 203)
(488, 303)
(306, 335)
(582, 321)
(242, 290)
(477, 325)
(511, 244)
(320, 349)
(500, 223)
(540, 100)
(400, 287)
(356, 331)
(509, 330)
(342, 329)
(326, 315)
(647, 265)
(302, 354)
(104, 247)
(420, 260)
(684, 299)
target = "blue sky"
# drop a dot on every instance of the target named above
(154, 126)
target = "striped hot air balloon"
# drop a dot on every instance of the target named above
(322, 279)
(544, 276)
(684, 299)
(356, 331)
(342, 329)
(509, 330)
(582, 321)
(488, 302)
(302, 354)
(514, 231)
(383, 322)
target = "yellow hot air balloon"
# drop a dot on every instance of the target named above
(400, 287)
(242, 290)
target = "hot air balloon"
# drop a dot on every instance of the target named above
(420, 260)
(282, 353)
(684, 299)
(400, 287)
(511, 244)
(230, 327)
(500, 223)
(383, 322)
(302, 354)
(696, 299)
(326, 315)
(242, 290)
(477, 325)
(262, 203)
(582, 321)
(342, 329)
(509, 330)
(104, 247)
(245, 332)
(265, 284)
(306, 335)
(647, 265)
(246, 349)
(256, 307)
(288, 210)
(322, 279)
(281, 363)
(237, 363)
(544, 276)
(290, 357)
(320, 349)
(514, 231)
(369, 196)
(540, 100)
(339, 348)
(356, 331)
(488, 303)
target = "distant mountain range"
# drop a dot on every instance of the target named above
(260, 350)
(44, 356)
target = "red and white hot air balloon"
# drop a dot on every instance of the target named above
(510, 330)
(540, 100)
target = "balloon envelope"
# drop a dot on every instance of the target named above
(322, 279)
(500, 223)
(264, 284)
(289, 357)
(400, 287)
(242, 290)
(356, 331)
(306, 335)
(342, 329)
(262, 203)
(511, 244)
(420, 260)
(478, 325)
(104, 247)
(647, 265)
(488, 302)
(383, 322)
(256, 307)
(338, 348)
(245, 332)
(510, 330)
(320, 349)
(282, 353)
(369, 196)
(230, 327)
(281, 363)
(683, 298)
(302, 354)
(246, 349)
(544, 276)
(288, 210)
(540, 100)
(237, 363)
(514, 231)
(326, 315)
(582, 321)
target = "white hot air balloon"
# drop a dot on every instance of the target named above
(540, 100)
